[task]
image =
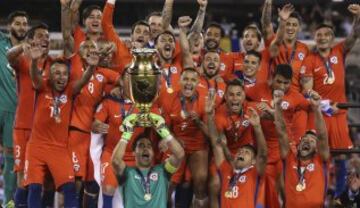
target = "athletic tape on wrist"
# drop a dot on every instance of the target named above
(169, 167)
(126, 136)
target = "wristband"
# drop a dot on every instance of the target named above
(124, 140)
(164, 132)
(169, 167)
(126, 136)
(168, 138)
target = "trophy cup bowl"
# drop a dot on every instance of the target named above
(143, 83)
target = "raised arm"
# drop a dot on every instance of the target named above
(14, 53)
(280, 124)
(174, 161)
(320, 126)
(261, 157)
(127, 129)
(355, 33)
(214, 136)
(284, 14)
(184, 23)
(167, 14)
(92, 61)
(66, 28)
(35, 74)
(199, 21)
(267, 28)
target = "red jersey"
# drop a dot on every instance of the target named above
(112, 111)
(206, 84)
(315, 66)
(90, 95)
(315, 174)
(26, 94)
(45, 130)
(293, 56)
(175, 110)
(122, 55)
(170, 79)
(292, 102)
(244, 192)
(236, 127)
(263, 73)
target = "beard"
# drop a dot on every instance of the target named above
(16, 36)
(210, 42)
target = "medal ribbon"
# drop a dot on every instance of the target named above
(183, 103)
(292, 54)
(123, 112)
(167, 77)
(301, 173)
(233, 125)
(209, 85)
(56, 104)
(235, 177)
(145, 180)
(328, 67)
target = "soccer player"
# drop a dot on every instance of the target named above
(72, 31)
(293, 101)
(140, 36)
(184, 112)
(82, 117)
(306, 165)
(108, 118)
(250, 69)
(324, 72)
(17, 25)
(145, 185)
(240, 177)
(233, 126)
(20, 62)
(49, 135)
(212, 37)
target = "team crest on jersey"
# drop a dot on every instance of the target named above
(220, 93)
(242, 179)
(99, 77)
(154, 176)
(173, 70)
(63, 99)
(222, 67)
(245, 123)
(285, 105)
(334, 60)
(301, 56)
(310, 167)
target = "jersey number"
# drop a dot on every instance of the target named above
(91, 87)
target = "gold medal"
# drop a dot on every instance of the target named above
(57, 119)
(300, 187)
(228, 194)
(147, 197)
(170, 90)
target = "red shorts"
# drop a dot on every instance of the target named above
(299, 125)
(182, 175)
(41, 159)
(272, 172)
(79, 145)
(21, 138)
(338, 130)
(191, 146)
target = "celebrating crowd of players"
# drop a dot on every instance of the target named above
(249, 129)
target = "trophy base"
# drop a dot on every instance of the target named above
(143, 119)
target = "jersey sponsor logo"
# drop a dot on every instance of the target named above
(317, 69)
(222, 67)
(285, 105)
(301, 56)
(264, 100)
(99, 77)
(334, 60)
(173, 70)
(242, 179)
(154, 176)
